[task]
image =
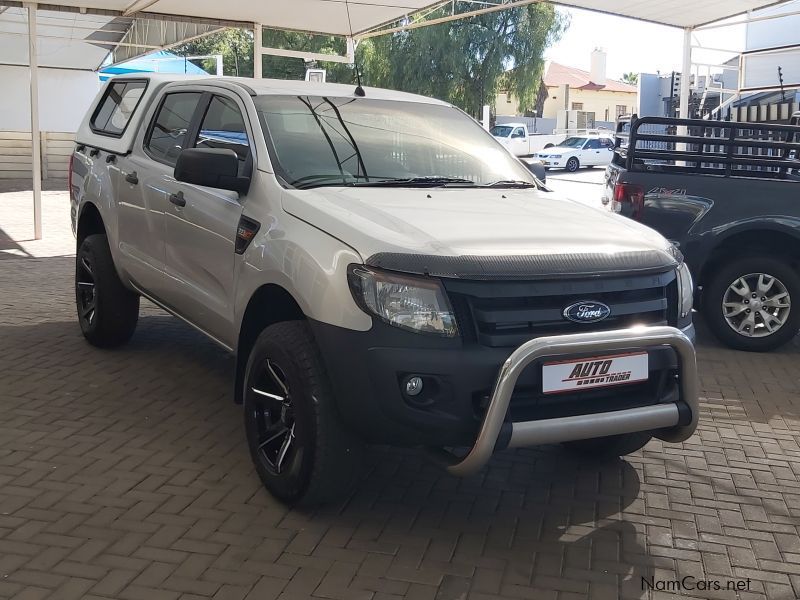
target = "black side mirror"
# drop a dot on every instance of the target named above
(537, 169)
(211, 167)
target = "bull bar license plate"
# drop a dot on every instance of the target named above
(576, 375)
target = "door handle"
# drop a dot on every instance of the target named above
(132, 178)
(178, 199)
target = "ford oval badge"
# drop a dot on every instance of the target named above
(587, 311)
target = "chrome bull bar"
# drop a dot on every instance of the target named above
(662, 419)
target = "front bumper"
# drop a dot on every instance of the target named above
(367, 370)
(673, 422)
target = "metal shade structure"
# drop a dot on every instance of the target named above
(128, 28)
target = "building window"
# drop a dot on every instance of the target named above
(622, 110)
(577, 106)
(508, 97)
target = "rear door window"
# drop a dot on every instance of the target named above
(167, 134)
(117, 107)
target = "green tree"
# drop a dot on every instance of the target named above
(235, 45)
(465, 62)
(630, 78)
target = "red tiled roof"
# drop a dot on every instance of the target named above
(577, 78)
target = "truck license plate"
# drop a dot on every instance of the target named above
(597, 372)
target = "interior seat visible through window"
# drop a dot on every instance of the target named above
(223, 127)
(168, 132)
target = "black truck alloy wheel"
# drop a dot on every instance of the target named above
(749, 303)
(299, 448)
(107, 310)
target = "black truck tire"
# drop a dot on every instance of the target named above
(107, 310)
(747, 297)
(613, 446)
(573, 164)
(301, 451)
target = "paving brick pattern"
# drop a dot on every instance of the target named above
(124, 474)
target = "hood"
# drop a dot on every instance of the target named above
(474, 222)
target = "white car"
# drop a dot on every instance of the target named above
(578, 151)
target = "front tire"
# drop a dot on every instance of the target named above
(300, 449)
(573, 164)
(748, 303)
(107, 310)
(614, 446)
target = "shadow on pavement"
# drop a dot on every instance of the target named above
(6, 243)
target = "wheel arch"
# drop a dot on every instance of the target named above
(90, 222)
(780, 241)
(269, 304)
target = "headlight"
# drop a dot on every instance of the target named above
(412, 303)
(685, 290)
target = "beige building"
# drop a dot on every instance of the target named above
(575, 89)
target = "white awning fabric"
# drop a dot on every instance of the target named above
(330, 16)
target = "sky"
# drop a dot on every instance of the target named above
(635, 45)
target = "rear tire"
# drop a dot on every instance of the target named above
(734, 284)
(107, 310)
(613, 446)
(301, 451)
(573, 164)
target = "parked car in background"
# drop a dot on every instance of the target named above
(520, 142)
(383, 271)
(728, 194)
(578, 151)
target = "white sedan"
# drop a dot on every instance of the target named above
(576, 152)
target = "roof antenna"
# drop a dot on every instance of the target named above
(359, 90)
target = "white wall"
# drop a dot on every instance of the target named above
(64, 95)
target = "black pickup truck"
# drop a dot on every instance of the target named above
(728, 194)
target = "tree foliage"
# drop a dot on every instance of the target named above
(235, 45)
(630, 78)
(464, 62)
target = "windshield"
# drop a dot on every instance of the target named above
(501, 131)
(316, 141)
(573, 142)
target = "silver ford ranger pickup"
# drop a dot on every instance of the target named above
(384, 271)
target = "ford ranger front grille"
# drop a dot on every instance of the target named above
(509, 313)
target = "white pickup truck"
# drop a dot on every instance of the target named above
(515, 137)
(384, 271)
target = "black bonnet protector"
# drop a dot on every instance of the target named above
(547, 266)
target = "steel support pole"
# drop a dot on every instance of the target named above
(258, 51)
(686, 74)
(36, 147)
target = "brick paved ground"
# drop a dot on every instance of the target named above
(124, 474)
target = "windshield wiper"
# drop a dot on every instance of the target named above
(511, 183)
(432, 181)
